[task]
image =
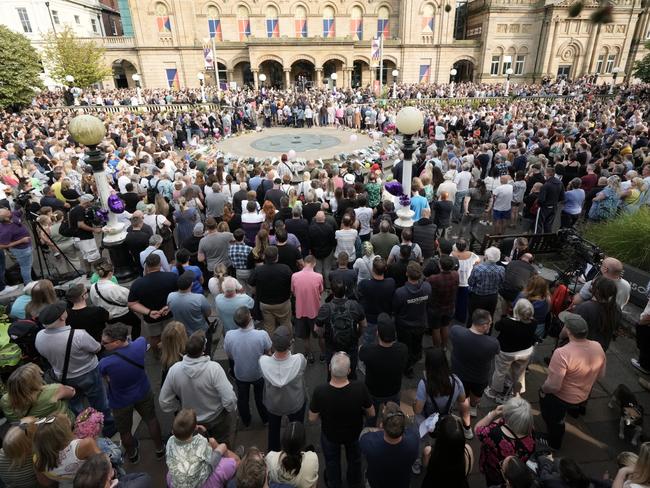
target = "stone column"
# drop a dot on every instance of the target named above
(287, 78)
(550, 53)
(348, 76)
(256, 73)
(319, 77)
(591, 47)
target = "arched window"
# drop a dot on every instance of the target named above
(301, 21)
(356, 23)
(383, 27)
(214, 23)
(427, 19)
(329, 29)
(243, 23)
(272, 25)
(162, 19)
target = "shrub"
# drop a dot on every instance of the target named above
(625, 238)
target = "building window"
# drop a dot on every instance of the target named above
(427, 19)
(599, 63)
(272, 26)
(93, 23)
(243, 23)
(507, 64)
(55, 17)
(214, 24)
(502, 28)
(329, 27)
(383, 25)
(494, 66)
(563, 71)
(520, 61)
(356, 23)
(610, 63)
(24, 19)
(162, 19)
(77, 20)
(301, 21)
(114, 27)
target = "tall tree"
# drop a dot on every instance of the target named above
(19, 70)
(642, 67)
(65, 54)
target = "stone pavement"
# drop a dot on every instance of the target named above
(592, 440)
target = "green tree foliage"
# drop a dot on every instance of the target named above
(65, 54)
(642, 67)
(19, 71)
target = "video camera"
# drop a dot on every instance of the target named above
(579, 248)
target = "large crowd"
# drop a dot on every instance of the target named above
(283, 263)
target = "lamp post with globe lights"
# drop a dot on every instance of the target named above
(136, 78)
(409, 121)
(452, 72)
(509, 73)
(395, 74)
(615, 73)
(333, 77)
(201, 78)
(90, 131)
(262, 78)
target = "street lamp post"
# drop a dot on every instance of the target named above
(90, 131)
(333, 77)
(615, 72)
(136, 78)
(262, 78)
(453, 72)
(509, 73)
(395, 74)
(201, 78)
(409, 121)
(69, 94)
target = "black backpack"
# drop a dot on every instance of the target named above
(66, 229)
(342, 329)
(152, 192)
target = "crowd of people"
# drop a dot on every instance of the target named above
(286, 263)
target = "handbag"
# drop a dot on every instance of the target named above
(110, 302)
(49, 376)
(165, 232)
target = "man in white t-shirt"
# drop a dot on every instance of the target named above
(440, 136)
(462, 180)
(501, 205)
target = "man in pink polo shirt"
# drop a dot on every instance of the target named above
(572, 372)
(307, 287)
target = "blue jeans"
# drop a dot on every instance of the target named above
(91, 386)
(24, 259)
(332, 454)
(275, 425)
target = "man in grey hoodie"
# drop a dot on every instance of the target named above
(201, 384)
(284, 384)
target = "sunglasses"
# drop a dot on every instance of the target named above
(45, 420)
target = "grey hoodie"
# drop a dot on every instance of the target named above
(284, 383)
(200, 384)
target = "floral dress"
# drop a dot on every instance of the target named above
(496, 446)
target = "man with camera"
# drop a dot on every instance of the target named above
(81, 220)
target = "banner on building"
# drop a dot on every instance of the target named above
(214, 27)
(328, 28)
(208, 58)
(382, 28)
(424, 73)
(375, 51)
(301, 28)
(272, 28)
(356, 28)
(173, 80)
(244, 29)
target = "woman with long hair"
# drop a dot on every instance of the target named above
(42, 294)
(172, 346)
(57, 453)
(516, 474)
(269, 211)
(29, 396)
(163, 225)
(16, 464)
(601, 313)
(185, 218)
(363, 264)
(108, 294)
(637, 476)
(183, 264)
(537, 293)
(256, 256)
(232, 218)
(450, 460)
(293, 465)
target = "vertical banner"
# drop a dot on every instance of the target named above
(208, 58)
(214, 27)
(427, 24)
(172, 78)
(424, 73)
(164, 23)
(383, 29)
(244, 29)
(328, 28)
(375, 52)
(301, 27)
(356, 29)
(272, 28)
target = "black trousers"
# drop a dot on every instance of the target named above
(554, 412)
(643, 343)
(546, 218)
(131, 319)
(412, 338)
(486, 302)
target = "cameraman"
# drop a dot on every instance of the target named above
(81, 218)
(14, 237)
(610, 268)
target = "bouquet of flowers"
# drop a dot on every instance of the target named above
(89, 423)
(394, 187)
(404, 200)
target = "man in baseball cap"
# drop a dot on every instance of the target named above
(572, 372)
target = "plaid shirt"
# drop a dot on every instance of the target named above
(238, 253)
(444, 287)
(486, 279)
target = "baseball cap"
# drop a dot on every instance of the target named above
(574, 323)
(281, 338)
(52, 312)
(198, 229)
(86, 197)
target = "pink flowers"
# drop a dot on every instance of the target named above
(89, 423)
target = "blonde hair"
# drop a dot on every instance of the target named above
(42, 294)
(641, 473)
(51, 438)
(223, 227)
(17, 443)
(172, 342)
(23, 388)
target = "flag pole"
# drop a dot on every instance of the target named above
(215, 64)
(381, 61)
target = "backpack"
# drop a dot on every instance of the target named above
(66, 229)
(343, 331)
(152, 192)
(23, 334)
